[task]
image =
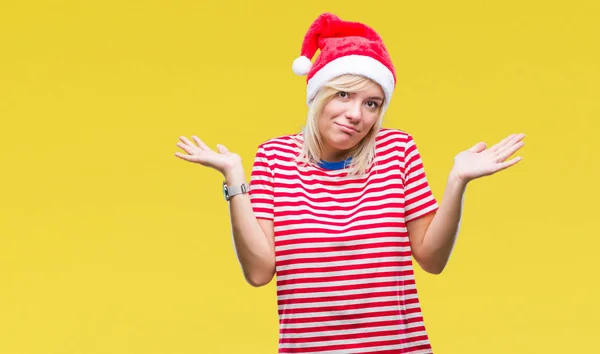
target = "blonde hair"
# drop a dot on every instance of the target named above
(363, 154)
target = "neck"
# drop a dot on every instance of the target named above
(335, 156)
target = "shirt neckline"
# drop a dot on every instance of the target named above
(336, 165)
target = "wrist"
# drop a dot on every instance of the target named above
(455, 180)
(234, 175)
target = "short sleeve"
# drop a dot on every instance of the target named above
(419, 199)
(261, 185)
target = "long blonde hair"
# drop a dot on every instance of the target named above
(363, 154)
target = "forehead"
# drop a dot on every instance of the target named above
(371, 90)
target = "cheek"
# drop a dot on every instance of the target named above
(330, 112)
(333, 109)
(371, 117)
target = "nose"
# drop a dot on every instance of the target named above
(353, 111)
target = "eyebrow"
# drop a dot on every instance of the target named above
(376, 98)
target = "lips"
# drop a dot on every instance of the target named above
(347, 128)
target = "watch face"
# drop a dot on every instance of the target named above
(225, 191)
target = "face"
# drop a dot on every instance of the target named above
(346, 119)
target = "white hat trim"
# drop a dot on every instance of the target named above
(353, 64)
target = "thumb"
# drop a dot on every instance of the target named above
(479, 147)
(222, 149)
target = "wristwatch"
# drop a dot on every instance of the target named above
(230, 191)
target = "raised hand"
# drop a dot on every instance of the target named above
(200, 153)
(478, 161)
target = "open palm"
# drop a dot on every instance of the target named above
(221, 160)
(478, 161)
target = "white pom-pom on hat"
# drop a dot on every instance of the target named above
(301, 66)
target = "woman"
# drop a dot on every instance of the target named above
(338, 210)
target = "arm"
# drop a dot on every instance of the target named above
(433, 236)
(253, 238)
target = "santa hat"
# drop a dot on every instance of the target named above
(345, 48)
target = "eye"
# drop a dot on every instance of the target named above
(343, 94)
(372, 104)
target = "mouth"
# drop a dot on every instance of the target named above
(347, 128)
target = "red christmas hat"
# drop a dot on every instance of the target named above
(345, 48)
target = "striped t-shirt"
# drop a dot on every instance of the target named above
(344, 271)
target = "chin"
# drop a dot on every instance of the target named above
(342, 142)
(347, 145)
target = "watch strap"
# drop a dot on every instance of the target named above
(230, 191)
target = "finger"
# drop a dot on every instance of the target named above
(502, 143)
(479, 147)
(509, 144)
(186, 141)
(187, 148)
(222, 149)
(185, 157)
(507, 152)
(518, 140)
(515, 139)
(506, 164)
(200, 143)
(508, 141)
